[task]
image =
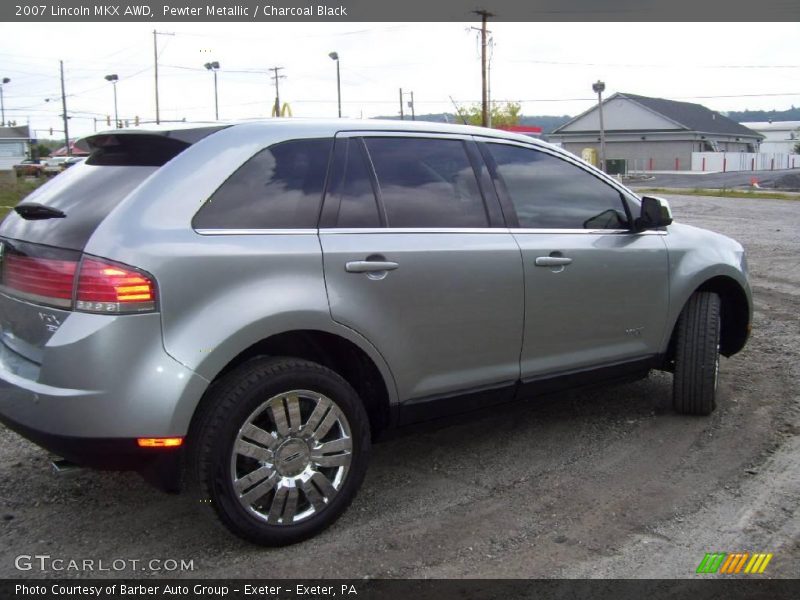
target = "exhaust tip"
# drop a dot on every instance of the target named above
(62, 466)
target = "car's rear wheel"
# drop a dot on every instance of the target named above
(696, 378)
(282, 449)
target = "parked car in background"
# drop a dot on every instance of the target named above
(258, 301)
(72, 160)
(53, 165)
(28, 168)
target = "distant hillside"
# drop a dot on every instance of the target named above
(746, 116)
(547, 122)
(550, 122)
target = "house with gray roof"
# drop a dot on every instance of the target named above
(653, 133)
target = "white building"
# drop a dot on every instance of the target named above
(779, 136)
(654, 134)
(14, 143)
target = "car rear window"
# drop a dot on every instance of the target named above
(87, 192)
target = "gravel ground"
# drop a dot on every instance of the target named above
(605, 483)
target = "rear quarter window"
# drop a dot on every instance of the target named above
(278, 188)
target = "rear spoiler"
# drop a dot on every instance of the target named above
(144, 148)
(188, 135)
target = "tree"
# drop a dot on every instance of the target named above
(502, 115)
(43, 150)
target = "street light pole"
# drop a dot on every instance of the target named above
(335, 56)
(599, 87)
(113, 78)
(216, 98)
(4, 81)
(214, 67)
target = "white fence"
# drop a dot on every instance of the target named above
(743, 161)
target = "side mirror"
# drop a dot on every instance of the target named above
(655, 213)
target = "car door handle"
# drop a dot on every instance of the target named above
(553, 261)
(370, 266)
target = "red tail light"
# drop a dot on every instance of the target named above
(107, 287)
(44, 280)
(47, 276)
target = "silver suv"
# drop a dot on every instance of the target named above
(251, 305)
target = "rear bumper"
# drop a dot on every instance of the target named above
(97, 453)
(102, 380)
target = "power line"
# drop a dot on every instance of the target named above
(649, 66)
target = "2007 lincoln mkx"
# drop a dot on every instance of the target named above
(251, 304)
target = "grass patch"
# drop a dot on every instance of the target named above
(11, 192)
(758, 194)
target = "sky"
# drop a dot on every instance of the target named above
(548, 67)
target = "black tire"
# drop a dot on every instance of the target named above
(227, 409)
(694, 387)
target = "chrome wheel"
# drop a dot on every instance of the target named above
(291, 457)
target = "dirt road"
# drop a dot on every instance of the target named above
(604, 483)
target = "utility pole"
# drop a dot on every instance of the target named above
(484, 89)
(413, 116)
(277, 77)
(489, 83)
(64, 109)
(402, 117)
(3, 81)
(155, 61)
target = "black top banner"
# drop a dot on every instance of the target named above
(402, 11)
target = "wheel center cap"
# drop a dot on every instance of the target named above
(292, 457)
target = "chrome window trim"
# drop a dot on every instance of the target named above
(406, 230)
(256, 231)
(365, 230)
(588, 231)
(451, 230)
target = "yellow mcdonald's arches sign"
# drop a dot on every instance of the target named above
(286, 110)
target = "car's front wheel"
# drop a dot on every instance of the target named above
(283, 448)
(696, 378)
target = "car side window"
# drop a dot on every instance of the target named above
(350, 190)
(426, 182)
(278, 188)
(550, 193)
